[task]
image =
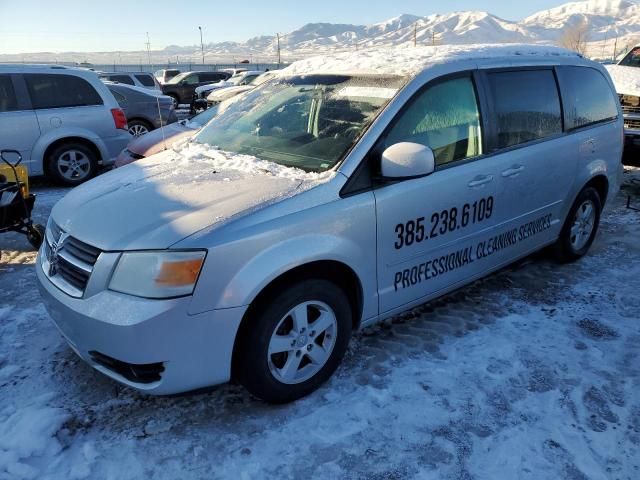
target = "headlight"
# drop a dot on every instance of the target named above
(158, 274)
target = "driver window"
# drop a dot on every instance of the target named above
(192, 79)
(443, 117)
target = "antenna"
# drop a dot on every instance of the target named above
(164, 141)
(148, 48)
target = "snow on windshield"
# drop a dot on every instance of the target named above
(195, 161)
(625, 79)
(410, 61)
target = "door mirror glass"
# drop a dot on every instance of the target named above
(407, 160)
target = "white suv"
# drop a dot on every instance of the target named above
(63, 121)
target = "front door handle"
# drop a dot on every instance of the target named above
(513, 171)
(480, 180)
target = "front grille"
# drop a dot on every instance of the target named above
(628, 109)
(67, 261)
(138, 373)
(630, 103)
(632, 124)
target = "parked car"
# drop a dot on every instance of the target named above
(222, 94)
(244, 78)
(626, 77)
(145, 110)
(138, 79)
(163, 76)
(64, 121)
(182, 86)
(314, 206)
(159, 140)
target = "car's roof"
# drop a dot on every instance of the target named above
(126, 73)
(409, 61)
(125, 88)
(47, 68)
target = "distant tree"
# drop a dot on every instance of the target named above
(575, 37)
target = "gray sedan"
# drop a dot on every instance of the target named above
(145, 109)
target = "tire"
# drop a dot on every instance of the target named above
(60, 163)
(310, 356)
(176, 100)
(137, 128)
(580, 226)
(35, 236)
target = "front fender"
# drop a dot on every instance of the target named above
(239, 268)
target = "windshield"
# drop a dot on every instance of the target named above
(306, 122)
(632, 59)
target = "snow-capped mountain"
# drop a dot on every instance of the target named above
(605, 20)
(609, 23)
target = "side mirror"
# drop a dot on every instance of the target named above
(407, 160)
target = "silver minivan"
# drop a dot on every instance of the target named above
(64, 121)
(349, 189)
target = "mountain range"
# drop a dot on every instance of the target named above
(609, 24)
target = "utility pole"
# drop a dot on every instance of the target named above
(433, 38)
(201, 44)
(278, 47)
(148, 49)
(415, 34)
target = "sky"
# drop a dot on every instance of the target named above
(91, 26)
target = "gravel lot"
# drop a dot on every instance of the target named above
(532, 373)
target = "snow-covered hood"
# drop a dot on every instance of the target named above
(158, 201)
(625, 79)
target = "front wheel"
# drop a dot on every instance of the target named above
(294, 343)
(580, 227)
(35, 235)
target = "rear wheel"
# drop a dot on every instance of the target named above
(580, 227)
(138, 128)
(72, 163)
(295, 342)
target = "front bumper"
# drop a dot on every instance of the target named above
(194, 351)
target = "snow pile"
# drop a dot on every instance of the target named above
(411, 61)
(626, 79)
(26, 434)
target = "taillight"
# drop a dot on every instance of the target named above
(119, 118)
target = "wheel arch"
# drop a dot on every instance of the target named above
(334, 271)
(601, 183)
(61, 141)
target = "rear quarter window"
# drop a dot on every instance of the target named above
(60, 91)
(587, 97)
(146, 80)
(526, 106)
(8, 101)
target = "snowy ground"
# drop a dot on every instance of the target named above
(532, 373)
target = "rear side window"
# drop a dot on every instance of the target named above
(587, 97)
(121, 99)
(212, 77)
(443, 117)
(526, 106)
(8, 101)
(60, 91)
(146, 80)
(126, 79)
